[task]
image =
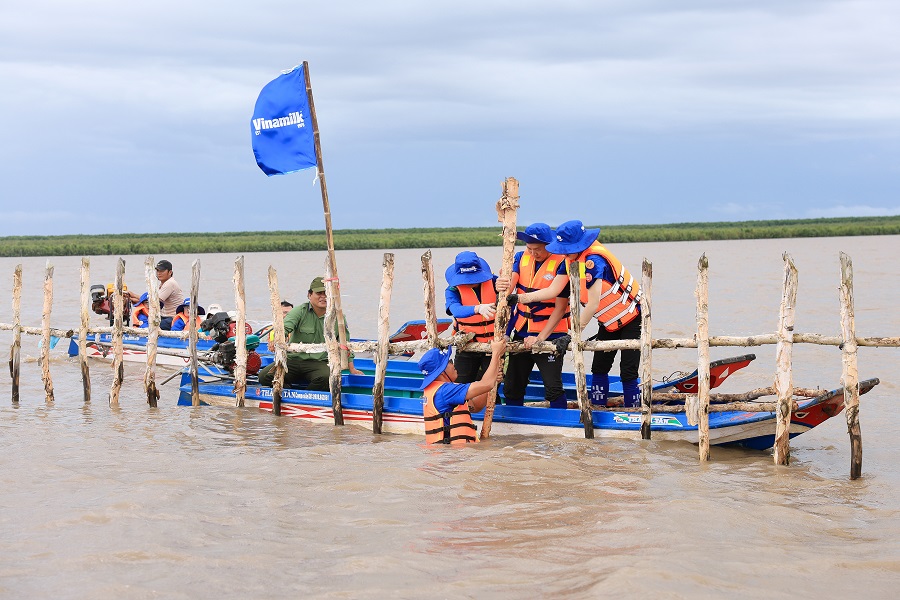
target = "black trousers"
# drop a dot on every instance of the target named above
(630, 361)
(519, 368)
(470, 366)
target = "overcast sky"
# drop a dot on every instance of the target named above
(134, 117)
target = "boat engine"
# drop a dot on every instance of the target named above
(224, 354)
(102, 302)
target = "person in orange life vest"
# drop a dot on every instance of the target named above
(609, 293)
(532, 270)
(140, 315)
(449, 404)
(471, 300)
(182, 316)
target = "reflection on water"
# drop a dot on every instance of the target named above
(180, 502)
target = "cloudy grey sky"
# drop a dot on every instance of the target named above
(134, 117)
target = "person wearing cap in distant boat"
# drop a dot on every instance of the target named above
(610, 294)
(471, 300)
(183, 315)
(448, 404)
(170, 293)
(305, 324)
(535, 269)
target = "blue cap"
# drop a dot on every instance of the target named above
(432, 364)
(536, 233)
(468, 269)
(185, 305)
(572, 237)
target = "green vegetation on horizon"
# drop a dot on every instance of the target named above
(450, 237)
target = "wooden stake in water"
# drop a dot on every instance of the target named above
(15, 349)
(507, 207)
(381, 354)
(85, 324)
(240, 336)
(334, 350)
(784, 385)
(118, 309)
(431, 327)
(153, 319)
(646, 350)
(192, 332)
(278, 337)
(700, 411)
(849, 372)
(45, 332)
(584, 399)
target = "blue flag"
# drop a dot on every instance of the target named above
(280, 130)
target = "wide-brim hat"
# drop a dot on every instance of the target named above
(432, 364)
(183, 308)
(572, 238)
(536, 233)
(468, 269)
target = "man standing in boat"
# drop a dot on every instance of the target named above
(610, 294)
(305, 324)
(170, 294)
(471, 300)
(533, 270)
(449, 404)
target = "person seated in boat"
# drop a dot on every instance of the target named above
(608, 293)
(449, 404)
(471, 300)
(183, 315)
(305, 324)
(269, 330)
(140, 315)
(170, 293)
(535, 269)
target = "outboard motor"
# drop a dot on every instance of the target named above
(217, 326)
(224, 354)
(102, 302)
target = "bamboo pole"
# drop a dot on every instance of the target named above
(192, 332)
(783, 378)
(646, 350)
(431, 327)
(584, 400)
(45, 337)
(507, 207)
(381, 355)
(85, 325)
(334, 352)
(849, 372)
(118, 309)
(278, 336)
(153, 319)
(15, 348)
(700, 409)
(240, 335)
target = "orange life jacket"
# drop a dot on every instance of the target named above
(453, 427)
(619, 301)
(141, 309)
(182, 317)
(536, 314)
(477, 324)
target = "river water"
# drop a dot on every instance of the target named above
(177, 502)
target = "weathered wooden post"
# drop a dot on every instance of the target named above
(646, 350)
(153, 319)
(507, 207)
(584, 399)
(85, 324)
(335, 365)
(784, 386)
(431, 327)
(45, 332)
(15, 349)
(381, 353)
(192, 332)
(700, 411)
(278, 337)
(118, 308)
(240, 336)
(849, 372)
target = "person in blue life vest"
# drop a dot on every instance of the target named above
(536, 269)
(449, 405)
(471, 300)
(183, 315)
(608, 293)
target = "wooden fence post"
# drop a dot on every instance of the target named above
(85, 325)
(192, 332)
(584, 399)
(335, 352)
(45, 332)
(849, 372)
(118, 308)
(15, 349)
(278, 336)
(784, 386)
(428, 291)
(646, 350)
(153, 319)
(701, 408)
(240, 336)
(381, 354)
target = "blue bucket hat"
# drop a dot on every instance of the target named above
(536, 233)
(186, 304)
(468, 269)
(572, 237)
(143, 298)
(432, 364)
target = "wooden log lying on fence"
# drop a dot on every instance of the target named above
(16, 347)
(428, 292)
(118, 308)
(381, 354)
(278, 337)
(743, 396)
(784, 383)
(240, 335)
(45, 337)
(334, 350)
(646, 349)
(153, 320)
(849, 372)
(699, 411)
(584, 399)
(85, 325)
